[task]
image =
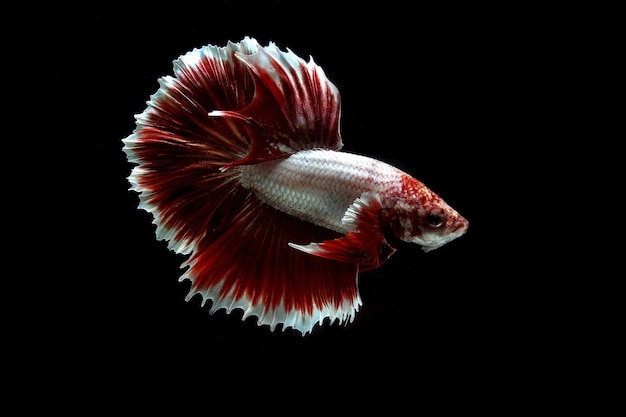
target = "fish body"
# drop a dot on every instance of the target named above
(319, 185)
(238, 157)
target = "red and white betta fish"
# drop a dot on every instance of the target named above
(238, 159)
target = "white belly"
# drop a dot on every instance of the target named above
(319, 185)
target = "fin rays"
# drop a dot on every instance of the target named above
(183, 144)
(252, 267)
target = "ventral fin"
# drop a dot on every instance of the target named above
(354, 247)
(365, 245)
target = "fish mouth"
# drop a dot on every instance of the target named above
(460, 226)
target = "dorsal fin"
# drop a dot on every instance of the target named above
(294, 106)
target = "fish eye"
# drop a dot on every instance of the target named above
(434, 219)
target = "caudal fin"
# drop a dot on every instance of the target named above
(223, 107)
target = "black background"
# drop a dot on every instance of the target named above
(470, 101)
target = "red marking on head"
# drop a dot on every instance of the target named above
(415, 190)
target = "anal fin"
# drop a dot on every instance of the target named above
(247, 264)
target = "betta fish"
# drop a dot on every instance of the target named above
(237, 157)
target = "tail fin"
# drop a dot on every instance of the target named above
(223, 107)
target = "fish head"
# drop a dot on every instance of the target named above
(427, 220)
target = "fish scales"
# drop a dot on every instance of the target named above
(319, 185)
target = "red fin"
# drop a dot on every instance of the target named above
(179, 149)
(225, 106)
(251, 266)
(366, 245)
(298, 95)
(295, 106)
(369, 252)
